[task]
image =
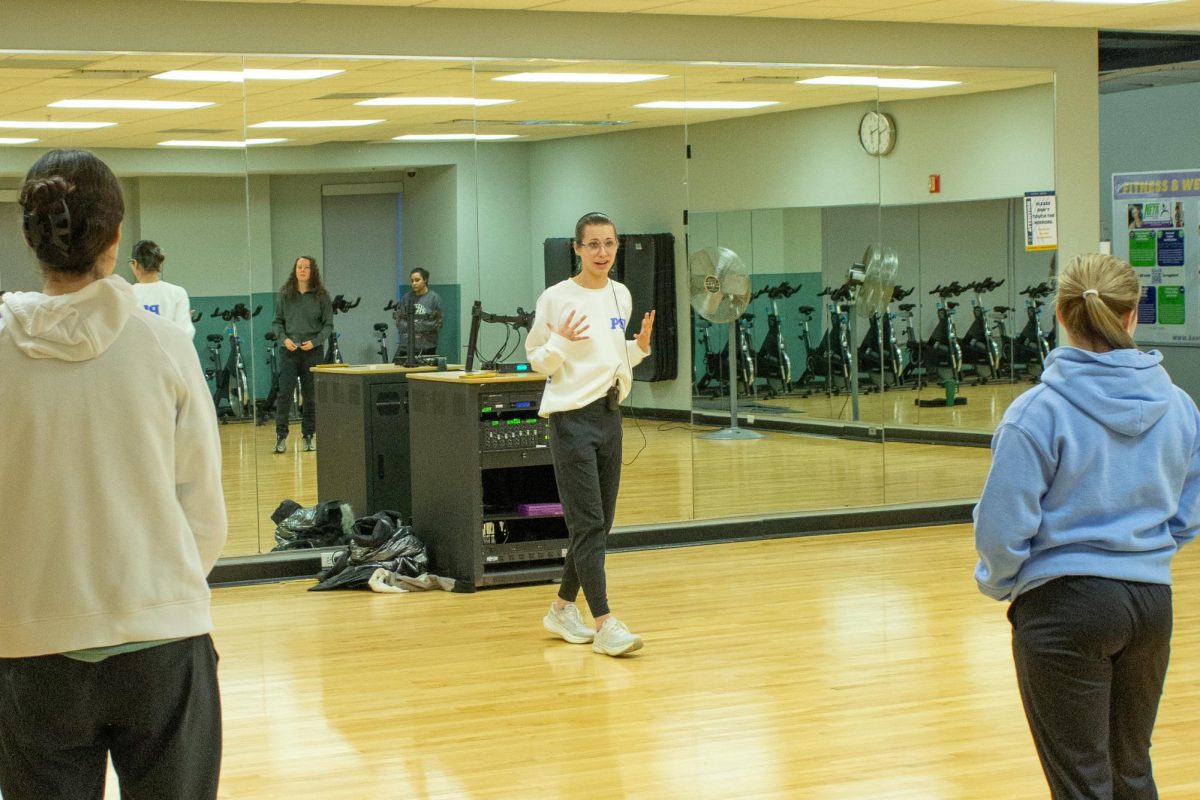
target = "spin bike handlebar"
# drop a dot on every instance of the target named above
(392, 305)
(341, 305)
(240, 311)
(1034, 292)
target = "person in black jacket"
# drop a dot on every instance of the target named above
(303, 321)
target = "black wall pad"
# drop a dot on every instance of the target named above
(271, 567)
(646, 264)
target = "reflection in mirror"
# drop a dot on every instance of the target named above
(139, 123)
(828, 162)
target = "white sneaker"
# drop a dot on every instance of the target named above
(614, 639)
(568, 623)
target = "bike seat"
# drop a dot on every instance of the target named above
(1001, 309)
(269, 336)
(216, 337)
(951, 304)
(806, 309)
(906, 306)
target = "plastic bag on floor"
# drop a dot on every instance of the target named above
(326, 524)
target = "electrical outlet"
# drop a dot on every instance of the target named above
(872, 432)
(749, 419)
(327, 557)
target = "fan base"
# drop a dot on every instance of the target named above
(731, 433)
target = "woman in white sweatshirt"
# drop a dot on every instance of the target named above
(110, 486)
(578, 342)
(156, 295)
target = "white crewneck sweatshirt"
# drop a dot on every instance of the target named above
(578, 373)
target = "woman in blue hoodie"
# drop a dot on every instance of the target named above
(1094, 486)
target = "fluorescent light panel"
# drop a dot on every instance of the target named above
(708, 104)
(316, 123)
(431, 101)
(15, 140)
(163, 105)
(216, 143)
(454, 137)
(578, 77)
(50, 126)
(238, 76)
(880, 83)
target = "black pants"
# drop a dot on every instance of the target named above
(1091, 657)
(586, 447)
(293, 364)
(157, 712)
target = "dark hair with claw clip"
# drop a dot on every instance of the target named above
(72, 210)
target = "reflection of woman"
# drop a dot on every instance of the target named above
(1094, 486)
(579, 344)
(156, 295)
(303, 321)
(1135, 215)
(113, 516)
(1178, 214)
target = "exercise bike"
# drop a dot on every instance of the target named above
(773, 359)
(833, 353)
(237, 386)
(943, 344)
(879, 351)
(333, 350)
(978, 346)
(381, 339)
(267, 411)
(1032, 345)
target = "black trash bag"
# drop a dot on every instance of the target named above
(380, 541)
(326, 524)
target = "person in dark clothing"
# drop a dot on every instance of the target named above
(303, 322)
(426, 308)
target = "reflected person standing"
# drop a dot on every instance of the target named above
(303, 322)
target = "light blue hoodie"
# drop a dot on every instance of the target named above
(1096, 471)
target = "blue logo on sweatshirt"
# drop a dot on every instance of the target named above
(616, 322)
(153, 309)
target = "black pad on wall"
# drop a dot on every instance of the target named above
(646, 264)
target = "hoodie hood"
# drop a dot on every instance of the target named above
(1127, 391)
(70, 327)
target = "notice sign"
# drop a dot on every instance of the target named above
(1041, 221)
(1156, 228)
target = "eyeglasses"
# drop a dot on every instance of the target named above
(595, 244)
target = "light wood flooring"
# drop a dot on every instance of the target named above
(985, 406)
(850, 667)
(676, 476)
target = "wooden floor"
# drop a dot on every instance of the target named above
(985, 406)
(677, 476)
(848, 667)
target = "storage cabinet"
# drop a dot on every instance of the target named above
(483, 482)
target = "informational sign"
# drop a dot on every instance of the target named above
(1041, 221)
(1156, 228)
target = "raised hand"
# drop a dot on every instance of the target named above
(571, 328)
(643, 335)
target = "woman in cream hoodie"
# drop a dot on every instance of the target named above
(110, 487)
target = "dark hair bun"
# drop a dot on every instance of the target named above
(39, 195)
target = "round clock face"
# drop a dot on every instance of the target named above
(877, 133)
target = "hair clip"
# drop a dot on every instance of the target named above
(52, 228)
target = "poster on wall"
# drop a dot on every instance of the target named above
(1156, 228)
(1041, 221)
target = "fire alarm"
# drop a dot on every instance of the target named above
(935, 184)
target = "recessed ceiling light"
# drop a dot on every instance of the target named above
(165, 105)
(316, 123)
(454, 137)
(431, 101)
(238, 76)
(578, 77)
(216, 143)
(15, 140)
(64, 126)
(708, 104)
(881, 83)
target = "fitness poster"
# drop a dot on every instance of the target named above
(1156, 228)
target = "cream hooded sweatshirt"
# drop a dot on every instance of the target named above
(111, 508)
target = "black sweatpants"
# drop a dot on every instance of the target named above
(586, 447)
(157, 712)
(1091, 657)
(293, 364)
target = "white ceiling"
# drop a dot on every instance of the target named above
(1174, 15)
